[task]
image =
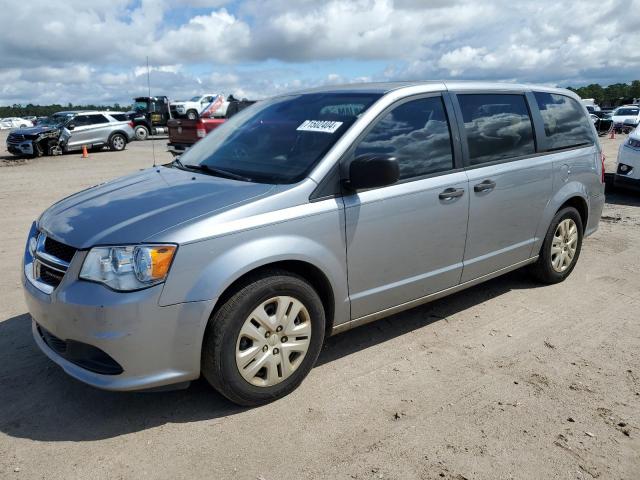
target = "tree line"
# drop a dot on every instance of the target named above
(611, 95)
(17, 110)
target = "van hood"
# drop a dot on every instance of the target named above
(134, 208)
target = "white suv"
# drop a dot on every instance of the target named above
(626, 115)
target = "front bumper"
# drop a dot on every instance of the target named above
(623, 181)
(628, 168)
(154, 345)
(22, 148)
(177, 148)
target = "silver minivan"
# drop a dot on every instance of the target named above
(303, 216)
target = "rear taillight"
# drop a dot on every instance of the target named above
(201, 132)
(602, 159)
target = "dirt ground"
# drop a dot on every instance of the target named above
(507, 380)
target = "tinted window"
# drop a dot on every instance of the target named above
(498, 127)
(95, 119)
(80, 120)
(565, 124)
(417, 134)
(281, 139)
(121, 117)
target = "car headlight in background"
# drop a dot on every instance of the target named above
(128, 267)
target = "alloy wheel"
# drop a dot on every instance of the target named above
(564, 245)
(118, 143)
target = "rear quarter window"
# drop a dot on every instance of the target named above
(121, 117)
(565, 124)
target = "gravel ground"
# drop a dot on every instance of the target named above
(507, 380)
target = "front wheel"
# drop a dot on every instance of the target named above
(141, 132)
(192, 114)
(117, 142)
(264, 340)
(561, 247)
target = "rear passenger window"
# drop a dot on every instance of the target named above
(565, 124)
(417, 134)
(96, 119)
(498, 127)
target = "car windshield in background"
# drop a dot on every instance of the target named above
(195, 99)
(279, 140)
(626, 111)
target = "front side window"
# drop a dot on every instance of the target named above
(417, 134)
(565, 124)
(498, 127)
(80, 120)
(279, 140)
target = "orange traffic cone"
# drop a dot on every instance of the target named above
(612, 136)
(84, 152)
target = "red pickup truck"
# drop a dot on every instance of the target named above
(184, 132)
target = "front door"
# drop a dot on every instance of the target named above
(406, 241)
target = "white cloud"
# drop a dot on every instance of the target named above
(74, 50)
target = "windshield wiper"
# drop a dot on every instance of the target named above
(219, 172)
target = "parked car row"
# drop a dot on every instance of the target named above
(15, 122)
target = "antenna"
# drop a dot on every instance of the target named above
(153, 142)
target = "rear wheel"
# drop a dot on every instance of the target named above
(117, 142)
(263, 341)
(142, 133)
(561, 247)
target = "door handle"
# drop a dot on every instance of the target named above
(451, 193)
(485, 186)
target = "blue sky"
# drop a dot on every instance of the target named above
(81, 51)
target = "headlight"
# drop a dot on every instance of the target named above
(128, 267)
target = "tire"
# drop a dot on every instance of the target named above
(37, 150)
(553, 266)
(192, 115)
(226, 347)
(117, 142)
(142, 133)
(23, 126)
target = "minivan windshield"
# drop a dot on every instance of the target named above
(278, 140)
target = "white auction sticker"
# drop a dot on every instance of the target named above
(324, 126)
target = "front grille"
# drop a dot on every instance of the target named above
(50, 276)
(59, 250)
(15, 139)
(82, 354)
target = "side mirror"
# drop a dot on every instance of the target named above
(71, 126)
(372, 170)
